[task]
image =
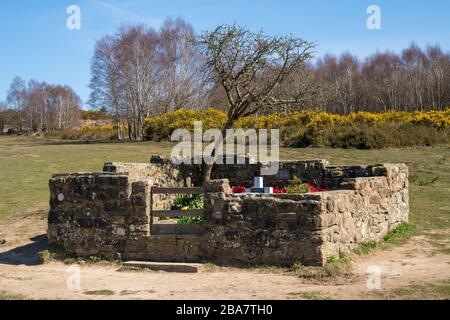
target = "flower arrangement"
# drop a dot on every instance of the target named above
(284, 190)
(238, 189)
(295, 186)
(311, 188)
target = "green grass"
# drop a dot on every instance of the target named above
(99, 293)
(70, 260)
(397, 236)
(306, 296)
(366, 247)
(339, 260)
(7, 296)
(26, 165)
(298, 265)
(429, 291)
(96, 258)
(55, 251)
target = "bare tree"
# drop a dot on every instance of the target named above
(139, 72)
(105, 81)
(415, 79)
(2, 116)
(17, 98)
(62, 107)
(250, 67)
(125, 73)
(184, 85)
(41, 107)
(339, 81)
(438, 77)
(382, 78)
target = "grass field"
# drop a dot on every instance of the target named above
(26, 164)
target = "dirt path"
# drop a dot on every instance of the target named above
(415, 262)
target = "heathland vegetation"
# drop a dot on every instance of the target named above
(307, 128)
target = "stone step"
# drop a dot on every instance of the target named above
(176, 229)
(164, 266)
(184, 248)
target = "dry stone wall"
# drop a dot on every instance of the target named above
(160, 173)
(95, 213)
(109, 213)
(284, 228)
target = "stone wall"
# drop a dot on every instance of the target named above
(109, 213)
(283, 228)
(318, 171)
(96, 212)
(261, 229)
(238, 174)
(160, 173)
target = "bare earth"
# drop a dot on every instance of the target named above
(21, 276)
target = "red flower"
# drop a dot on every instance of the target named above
(275, 190)
(238, 189)
(311, 188)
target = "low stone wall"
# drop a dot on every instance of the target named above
(95, 213)
(283, 228)
(109, 213)
(318, 171)
(262, 229)
(160, 173)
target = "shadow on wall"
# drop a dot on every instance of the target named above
(27, 254)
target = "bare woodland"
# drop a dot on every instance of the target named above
(139, 72)
(39, 107)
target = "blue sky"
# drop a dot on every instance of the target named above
(35, 43)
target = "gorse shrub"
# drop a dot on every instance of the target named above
(95, 115)
(161, 127)
(362, 130)
(366, 136)
(88, 133)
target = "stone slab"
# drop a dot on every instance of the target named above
(164, 266)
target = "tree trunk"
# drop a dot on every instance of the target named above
(119, 131)
(206, 172)
(207, 168)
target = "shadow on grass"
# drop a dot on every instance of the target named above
(27, 254)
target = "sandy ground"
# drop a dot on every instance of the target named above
(20, 275)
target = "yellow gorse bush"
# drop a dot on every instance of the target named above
(309, 118)
(87, 128)
(161, 127)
